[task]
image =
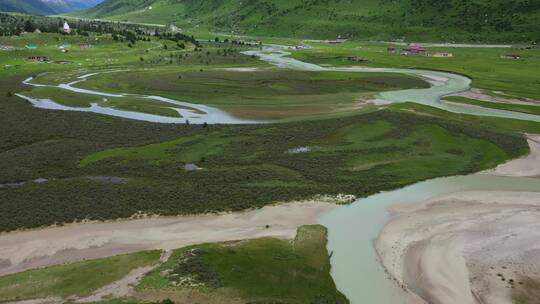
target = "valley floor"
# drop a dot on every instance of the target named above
(67, 176)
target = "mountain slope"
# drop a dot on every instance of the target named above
(464, 20)
(46, 7)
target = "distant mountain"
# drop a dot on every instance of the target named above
(448, 20)
(46, 7)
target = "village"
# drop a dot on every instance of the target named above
(403, 49)
(64, 45)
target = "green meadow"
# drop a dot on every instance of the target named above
(76, 279)
(265, 270)
(259, 93)
(513, 78)
(108, 53)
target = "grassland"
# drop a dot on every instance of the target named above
(514, 78)
(523, 108)
(262, 93)
(262, 270)
(77, 279)
(359, 152)
(108, 53)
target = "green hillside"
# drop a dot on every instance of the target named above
(453, 20)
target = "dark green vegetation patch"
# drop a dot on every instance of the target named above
(241, 166)
(265, 270)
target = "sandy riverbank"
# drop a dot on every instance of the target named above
(469, 247)
(528, 166)
(482, 95)
(37, 248)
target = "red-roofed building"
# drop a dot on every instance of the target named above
(414, 50)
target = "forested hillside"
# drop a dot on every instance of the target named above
(452, 20)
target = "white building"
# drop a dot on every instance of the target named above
(67, 29)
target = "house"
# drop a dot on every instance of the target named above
(511, 56)
(37, 31)
(392, 50)
(357, 59)
(414, 50)
(86, 46)
(441, 55)
(64, 46)
(66, 28)
(38, 58)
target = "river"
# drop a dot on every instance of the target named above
(353, 229)
(194, 113)
(442, 84)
